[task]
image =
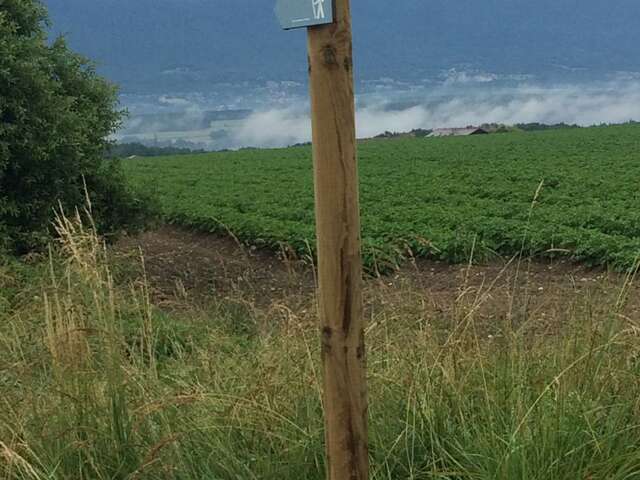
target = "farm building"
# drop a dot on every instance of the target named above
(457, 132)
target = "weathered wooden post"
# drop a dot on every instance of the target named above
(338, 229)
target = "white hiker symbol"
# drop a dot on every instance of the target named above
(318, 9)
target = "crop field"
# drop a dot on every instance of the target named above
(563, 193)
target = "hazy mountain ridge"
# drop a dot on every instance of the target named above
(171, 45)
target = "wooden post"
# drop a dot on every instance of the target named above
(339, 256)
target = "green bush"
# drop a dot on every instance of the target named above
(56, 116)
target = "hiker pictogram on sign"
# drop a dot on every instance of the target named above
(304, 13)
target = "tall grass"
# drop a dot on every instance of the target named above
(97, 383)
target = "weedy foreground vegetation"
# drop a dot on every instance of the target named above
(100, 380)
(449, 198)
(99, 383)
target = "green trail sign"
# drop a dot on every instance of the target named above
(304, 13)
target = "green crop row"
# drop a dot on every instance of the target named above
(571, 193)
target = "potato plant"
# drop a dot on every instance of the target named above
(564, 193)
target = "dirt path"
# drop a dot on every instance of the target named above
(193, 267)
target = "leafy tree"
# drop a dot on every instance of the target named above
(56, 116)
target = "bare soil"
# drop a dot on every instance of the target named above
(187, 268)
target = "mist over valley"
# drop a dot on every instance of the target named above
(221, 74)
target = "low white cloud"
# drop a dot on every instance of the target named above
(608, 103)
(174, 101)
(454, 76)
(273, 128)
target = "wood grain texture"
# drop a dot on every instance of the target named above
(338, 235)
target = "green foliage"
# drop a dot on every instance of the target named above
(443, 198)
(56, 115)
(98, 384)
(122, 150)
(536, 126)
